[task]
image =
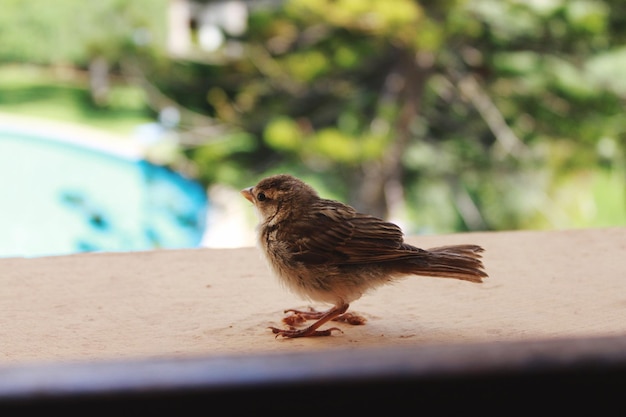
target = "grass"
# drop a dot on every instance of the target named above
(64, 96)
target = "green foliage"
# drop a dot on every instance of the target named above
(221, 155)
(71, 31)
(283, 134)
(37, 92)
(486, 114)
(386, 19)
(327, 146)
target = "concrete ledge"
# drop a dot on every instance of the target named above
(207, 302)
(555, 303)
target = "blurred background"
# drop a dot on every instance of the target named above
(440, 115)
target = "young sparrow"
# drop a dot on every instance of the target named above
(326, 251)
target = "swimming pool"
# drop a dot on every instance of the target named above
(59, 197)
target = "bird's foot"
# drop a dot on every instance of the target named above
(308, 332)
(351, 318)
(299, 317)
(312, 331)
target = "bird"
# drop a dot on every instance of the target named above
(326, 251)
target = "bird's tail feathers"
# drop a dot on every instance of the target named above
(456, 261)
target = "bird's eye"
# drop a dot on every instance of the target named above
(261, 197)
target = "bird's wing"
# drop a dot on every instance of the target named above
(334, 233)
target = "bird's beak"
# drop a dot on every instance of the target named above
(247, 193)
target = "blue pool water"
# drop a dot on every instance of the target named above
(59, 198)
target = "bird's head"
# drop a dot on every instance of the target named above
(279, 197)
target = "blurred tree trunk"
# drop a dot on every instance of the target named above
(99, 80)
(380, 191)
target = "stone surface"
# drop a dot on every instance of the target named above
(204, 302)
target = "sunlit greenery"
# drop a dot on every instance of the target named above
(73, 31)
(449, 115)
(39, 92)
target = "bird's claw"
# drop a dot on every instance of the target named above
(299, 317)
(308, 332)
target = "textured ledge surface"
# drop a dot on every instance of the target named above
(211, 303)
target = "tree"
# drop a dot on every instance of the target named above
(463, 115)
(95, 36)
(449, 105)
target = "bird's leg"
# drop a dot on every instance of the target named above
(300, 316)
(312, 329)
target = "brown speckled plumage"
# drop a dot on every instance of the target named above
(326, 251)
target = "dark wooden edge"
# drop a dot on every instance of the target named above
(503, 378)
